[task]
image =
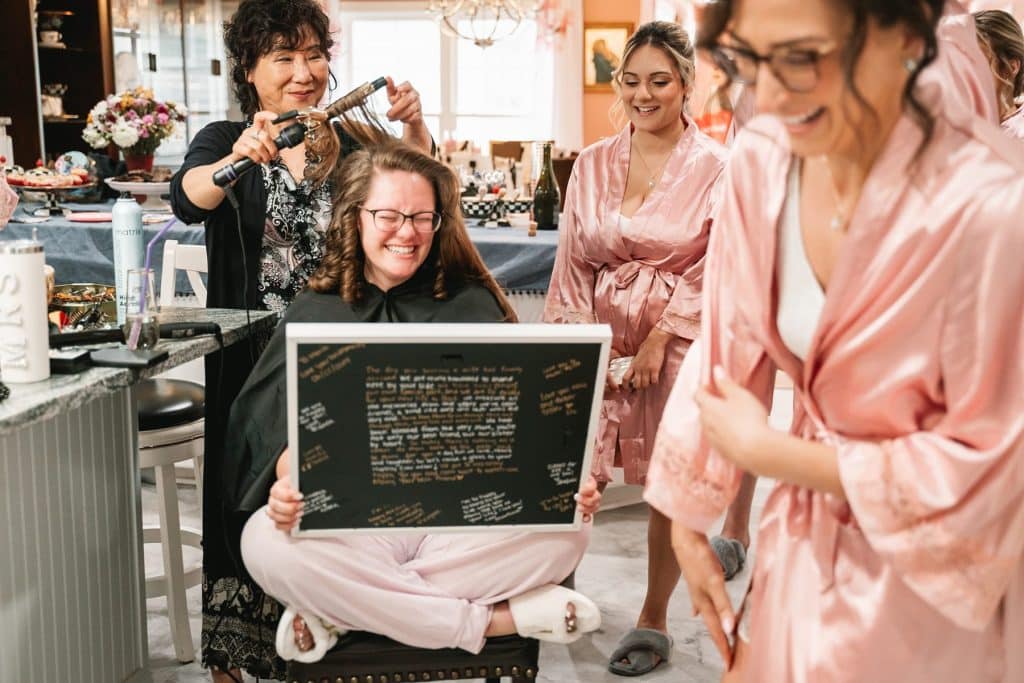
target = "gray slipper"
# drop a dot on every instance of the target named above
(731, 554)
(642, 648)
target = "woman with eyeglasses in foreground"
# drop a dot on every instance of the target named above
(396, 251)
(868, 245)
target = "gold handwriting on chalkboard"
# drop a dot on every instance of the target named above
(561, 400)
(404, 514)
(310, 356)
(311, 457)
(490, 507)
(561, 367)
(562, 502)
(313, 418)
(326, 361)
(440, 424)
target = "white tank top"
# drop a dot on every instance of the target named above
(801, 298)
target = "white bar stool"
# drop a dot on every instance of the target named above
(171, 430)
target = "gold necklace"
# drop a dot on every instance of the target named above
(650, 176)
(838, 222)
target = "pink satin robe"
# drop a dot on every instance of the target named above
(916, 376)
(1013, 125)
(634, 279)
(961, 68)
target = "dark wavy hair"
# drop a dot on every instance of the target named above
(920, 16)
(259, 26)
(453, 257)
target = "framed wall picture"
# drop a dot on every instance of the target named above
(603, 45)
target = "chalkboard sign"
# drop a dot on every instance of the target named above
(442, 427)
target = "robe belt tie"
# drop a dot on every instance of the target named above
(826, 527)
(624, 275)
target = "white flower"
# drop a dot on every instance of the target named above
(124, 134)
(99, 111)
(94, 138)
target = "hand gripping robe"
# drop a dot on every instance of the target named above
(915, 374)
(648, 274)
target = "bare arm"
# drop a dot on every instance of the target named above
(407, 108)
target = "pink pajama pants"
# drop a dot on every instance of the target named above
(423, 590)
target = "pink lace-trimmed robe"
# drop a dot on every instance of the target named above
(916, 375)
(636, 278)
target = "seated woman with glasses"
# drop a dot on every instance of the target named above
(868, 245)
(396, 251)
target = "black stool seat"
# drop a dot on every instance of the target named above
(163, 403)
(369, 658)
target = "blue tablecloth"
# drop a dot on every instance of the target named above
(83, 252)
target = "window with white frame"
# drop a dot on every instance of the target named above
(468, 93)
(679, 11)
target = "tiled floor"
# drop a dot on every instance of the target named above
(612, 574)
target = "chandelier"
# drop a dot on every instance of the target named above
(483, 21)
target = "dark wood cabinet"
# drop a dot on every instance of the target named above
(81, 58)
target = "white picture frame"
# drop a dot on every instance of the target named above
(372, 334)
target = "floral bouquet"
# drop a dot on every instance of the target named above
(133, 120)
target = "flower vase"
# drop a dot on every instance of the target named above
(138, 162)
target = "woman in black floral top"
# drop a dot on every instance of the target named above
(293, 236)
(279, 51)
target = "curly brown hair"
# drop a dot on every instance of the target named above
(259, 26)
(454, 259)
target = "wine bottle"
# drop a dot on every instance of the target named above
(546, 196)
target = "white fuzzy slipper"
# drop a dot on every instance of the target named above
(324, 638)
(541, 614)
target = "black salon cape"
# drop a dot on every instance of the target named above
(258, 425)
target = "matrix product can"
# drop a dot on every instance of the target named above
(128, 246)
(24, 330)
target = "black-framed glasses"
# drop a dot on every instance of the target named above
(797, 69)
(392, 220)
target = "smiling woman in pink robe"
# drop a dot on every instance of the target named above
(915, 376)
(892, 547)
(631, 254)
(648, 275)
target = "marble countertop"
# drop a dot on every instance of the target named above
(29, 403)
